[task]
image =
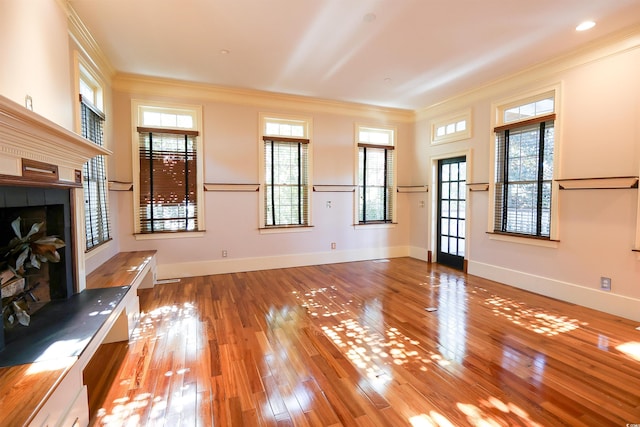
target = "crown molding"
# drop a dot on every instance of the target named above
(597, 50)
(154, 86)
(86, 43)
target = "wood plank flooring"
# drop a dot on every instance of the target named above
(352, 345)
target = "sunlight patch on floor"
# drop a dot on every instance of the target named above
(532, 318)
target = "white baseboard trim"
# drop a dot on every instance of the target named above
(607, 302)
(419, 253)
(235, 265)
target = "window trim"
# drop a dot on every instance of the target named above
(450, 119)
(137, 108)
(85, 73)
(358, 127)
(263, 135)
(497, 122)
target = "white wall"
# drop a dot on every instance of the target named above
(231, 142)
(39, 60)
(600, 137)
(34, 49)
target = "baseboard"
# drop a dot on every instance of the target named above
(607, 302)
(419, 253)
(234, 265)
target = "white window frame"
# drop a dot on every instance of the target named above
(138, 107)
(499, 109)
(264, 119)
(84, 73)
(392, 132)
(448, 125)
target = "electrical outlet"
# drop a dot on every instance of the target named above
(224, 253)
(605, 283)
(333, 245)
(328, 204)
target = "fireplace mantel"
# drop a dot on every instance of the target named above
(36, 152)
(27, 135)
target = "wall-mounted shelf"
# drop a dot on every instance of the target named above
(601, 183)
(120, 186)
(478, 186)
(413, 188)
(231, 187)
(335, 188)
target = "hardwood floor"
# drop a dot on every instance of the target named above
(353, 345)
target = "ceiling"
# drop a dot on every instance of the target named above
(393, 53)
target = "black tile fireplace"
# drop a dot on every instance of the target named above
(52, 280)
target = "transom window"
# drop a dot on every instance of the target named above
(169, 164)
(376, 174)
(525, 147)
(285, 177)
(451, 128)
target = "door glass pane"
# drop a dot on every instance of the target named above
(444, 210)
(454, 190)
(444, 226)
(453, 211)
(460, 247)
(444, 243)
(445, 173)
(453, 245)
(453, 227)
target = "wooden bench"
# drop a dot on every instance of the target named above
(53, 392)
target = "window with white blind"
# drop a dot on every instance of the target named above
(524, 153)
(285, 175)
(94, 172)
(376, 174)
(168, 191)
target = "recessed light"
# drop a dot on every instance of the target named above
(369, 17)
(224, 51)
(388, 80)
(586, 25)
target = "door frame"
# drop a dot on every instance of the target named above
(433, 206)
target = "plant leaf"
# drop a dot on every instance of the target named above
(35, 262)
(21, 314)
(51, 240)
(22, 258)
(34, 229)
(15, 224)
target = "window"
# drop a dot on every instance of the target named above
(168, 159)
(285, 173)
(451, 128)
(94, 172)
(524, 143)
(375, 175)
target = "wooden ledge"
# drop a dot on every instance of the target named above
(26, 388)
(601, 183)
(123, 269)
(334, 188)
(231, 187)
(412, 189)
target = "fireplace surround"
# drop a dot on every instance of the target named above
(41, 174)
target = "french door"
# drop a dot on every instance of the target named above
(452, 192)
